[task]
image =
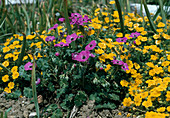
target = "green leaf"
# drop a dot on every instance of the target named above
(153, 27)
(27, 92)
(57, 114)
(114, 96)
(106, 106)
(34, 88)
(80, 98)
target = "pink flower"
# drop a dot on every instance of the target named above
(57, 54)
(54, 27)
(38, 81)
(71, 38)
(91, 45)
(61, 44)
(49, 38)
(125, 67)
(61, 19)
(124, 39)
(28, 66)
(135, 34)
(82, 56)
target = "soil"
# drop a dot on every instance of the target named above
(25, 108)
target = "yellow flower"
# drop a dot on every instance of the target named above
(8, 90)
(11, 85)
(107, 67)
(128, 115)
(15, 75)
(147, 103)
(153, 57)
(119, 35)
(124, 83)
(102, 45)
(117, 20)
(25, 58)
(161, 24)
(166, 36)
(110, 56)
(168, 57)
(127, 102)
(90, 32)
(15, 58)
(150, 64)
(99, 51)
(161, 109)
(137, 100)
(156, 36)
(143, 32)
(137, 66)
(14, 69)
(168, 108)
(6, 49)
(165, 63)
(5, 78)
(112, 2)
(107, 19)
(168, 68)
(102, 58)
(144, 39)
(119, 113)
(137, 42)
(5, 63)
(159, 30)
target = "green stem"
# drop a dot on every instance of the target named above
(120, 15)
(34, 88)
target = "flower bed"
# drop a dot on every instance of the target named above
(94, 60)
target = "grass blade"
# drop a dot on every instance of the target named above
(162, 13)
(5, 68)
(120, 15)
(153, 27)
(1, 114)
(34, 88)
(158, 11)
(6, 112)
(21, 55)
(28, 21)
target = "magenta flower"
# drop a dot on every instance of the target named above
(49, 38)
(120, 63)
(28, 66)
(135, 34)
(57, 54)
(54, 27)
(115, 61)
(38, 81)
(82, 56)
(124, 39)
(75, 15)
(125, 67)
(91, 45)
(61, 19)
(71, 38)
(61, 44)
